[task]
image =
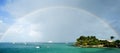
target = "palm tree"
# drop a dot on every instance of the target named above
(112, 37)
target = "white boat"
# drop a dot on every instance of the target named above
(37, 47)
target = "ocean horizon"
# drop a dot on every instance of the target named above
(51, 48)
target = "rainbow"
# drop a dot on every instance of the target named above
(66, 7)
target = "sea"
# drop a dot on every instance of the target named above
(51, 48)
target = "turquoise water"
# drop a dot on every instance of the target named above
(51, 48)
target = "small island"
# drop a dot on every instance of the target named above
(93, 42)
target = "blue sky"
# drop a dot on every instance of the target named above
(13, 10)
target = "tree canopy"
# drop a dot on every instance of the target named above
(92, 40)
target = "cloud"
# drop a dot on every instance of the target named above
(3, 27)
(1, 34)
(58, 25)
(20, 8)
(1, 21)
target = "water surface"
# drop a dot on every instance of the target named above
(51, 48)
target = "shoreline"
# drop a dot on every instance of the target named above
(96, 47)
(93, 46)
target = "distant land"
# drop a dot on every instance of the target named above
(93, 42)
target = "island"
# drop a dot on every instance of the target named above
(93, 42)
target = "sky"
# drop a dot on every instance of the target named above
(58, 20)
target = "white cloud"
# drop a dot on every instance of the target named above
(22, 7)
(19, 8)
(1, 25)
(34, 34)
(55, 24)
(51, 24)
(1, 21)
(1, 33)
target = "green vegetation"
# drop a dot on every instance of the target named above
(112, 37)
(92, 41)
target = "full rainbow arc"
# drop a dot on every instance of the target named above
(48, 8)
